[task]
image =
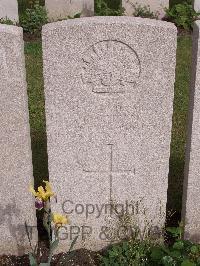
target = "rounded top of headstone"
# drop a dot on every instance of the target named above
(107, 20)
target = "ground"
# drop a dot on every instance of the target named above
(76, 258)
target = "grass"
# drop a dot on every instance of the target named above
(181, 100)
(23, 4)
(37, 117)
(33, 52)
(175, 2)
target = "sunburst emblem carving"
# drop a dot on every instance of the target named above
(110, 67)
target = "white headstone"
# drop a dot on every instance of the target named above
(9, 9)
(16, 205)
(60, 9)
(191, 195)
(109, 85)
(156, 6)
(197, 5)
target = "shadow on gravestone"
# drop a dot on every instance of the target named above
(9, 214)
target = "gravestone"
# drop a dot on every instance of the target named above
(16, 205)
(156, 6)
(109, 84)
(61, 9)
(191, 196)
(197, 5)
(9, 10)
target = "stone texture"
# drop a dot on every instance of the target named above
(16, 205)
(9, 9)
(59, 9)
(197, 5)
(191, 196)
(109, 84)
(155, 6)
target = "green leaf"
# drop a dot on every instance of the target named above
(175, 254)
(178, 245)
(78, 15)
(112, 254)
(168, 261)
(32, 260)
(106, 261)
(44, 264)
(187, 263)
(166, 250)
(194, 249)
(125, 246)
(175, 231)
(157, 254)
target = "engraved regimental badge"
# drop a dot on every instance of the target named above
(110, 67)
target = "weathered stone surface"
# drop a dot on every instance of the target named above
(109, 98)
(9, 9)
(197, 5)
(191, 196)
(16, 205)
(63, 8)
(157, 6)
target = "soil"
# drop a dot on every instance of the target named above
(32, 37)
(182, 32)
(80, 257)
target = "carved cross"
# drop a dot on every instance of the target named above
(111, 171)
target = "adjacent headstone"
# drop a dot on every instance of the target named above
(155, 6)
(16, 205)
(109, 84)
(9, 10)
(191, 195)
(61, 9)
(197, 5)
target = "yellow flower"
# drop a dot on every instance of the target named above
(59, 219)
(42, 193)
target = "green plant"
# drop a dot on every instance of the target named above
(182, 252)
(183, 15)
(114, 4)
(78, 15)
(6, 21)
(51, 221)
(127, 253)
(24, 4)
(33, 19)
(144, 12)
(148, 252)
(102, 9)
(175, 2)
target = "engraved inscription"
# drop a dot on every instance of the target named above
(110, 67)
